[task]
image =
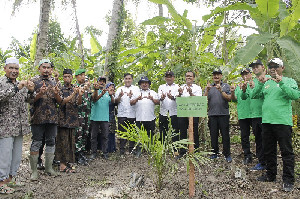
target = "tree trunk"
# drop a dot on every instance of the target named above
(78, 34)
(113, 41)
(42, 37)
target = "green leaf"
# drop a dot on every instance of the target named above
(236, 6)
(288, 23)
(95, 45)
(268, 8)
(177, 17)
(23, 60)
(33, 47)
(291, 51)
(255, 44)
(283, 12)
(158, 20)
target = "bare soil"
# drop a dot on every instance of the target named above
(111, 179)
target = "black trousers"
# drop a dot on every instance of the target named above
(258, 133)
(149, 126)
(273, 133)
(183, 127)
(123, 121)
(103, 127)
(245, 134)
(216, 124)
(164, 126)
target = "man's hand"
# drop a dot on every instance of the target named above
(81, 91)
(111, 91)
(189, 90)
(170, 96)
(121, 94)
(22, 84)
(263, 79)
(44, 88)
(218, 87)
(251, 84)
(150, 97)
(30, 85)
(56, 75)
(130, 94)
(162, 97)
(208, 86)
(232, 88)
(278, 78)
(55, 90)
(180, 91)
(244, 86)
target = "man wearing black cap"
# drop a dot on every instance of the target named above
(100, 116)
(44, 118)
(218, 95)
(145, 102)
(256, 113)
(278, 92)
(244, 114)
(168, 106)
(68, 121)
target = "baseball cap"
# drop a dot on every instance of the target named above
(144, 79)
(169, 73)
(12, 60)
(248, 70)
(276, 61)
(217, 71)
(256, 62)
(101, 78)
(79, 71)
(45, 61)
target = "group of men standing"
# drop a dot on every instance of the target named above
(68, 118)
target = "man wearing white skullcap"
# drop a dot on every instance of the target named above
(14, 124)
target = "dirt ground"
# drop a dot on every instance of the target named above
(111, 179)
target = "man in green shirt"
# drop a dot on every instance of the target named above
(258, 70)
(277, 92)
(244, 114)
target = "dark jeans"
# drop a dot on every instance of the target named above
(149, 126)
(38, 133)
(258, 133)
(124, 121)
(103, 127)
(282, 134)
(216, 124)
(183, 123)
(164, 126)
(245, 133)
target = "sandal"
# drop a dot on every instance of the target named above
(4, 189)
(68, 170)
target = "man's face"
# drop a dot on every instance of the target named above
(128, 80)
(67, 79)
(189, 78)
(45, 70)
(258, 69)
(102, 83)
(80, 78)
(247, 76)
(12, 71)
(217, 77)
(274, 68)
(169, 79)
(145, 85)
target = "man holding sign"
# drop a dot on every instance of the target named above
(218, 94)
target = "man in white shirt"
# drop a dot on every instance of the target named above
(167, 94)
(145, 101)
(186, 90)
(126, 112)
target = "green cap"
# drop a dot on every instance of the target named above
(79, 71)
(45, 61)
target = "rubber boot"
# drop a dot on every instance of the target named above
(48, 164)
(33, 164)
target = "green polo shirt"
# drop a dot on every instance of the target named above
(277, 98)
(243, 105)
(100, 109)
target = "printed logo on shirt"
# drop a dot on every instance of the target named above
(268, 86)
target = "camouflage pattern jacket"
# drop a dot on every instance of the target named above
(13, 109)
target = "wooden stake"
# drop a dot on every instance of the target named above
(192, 167)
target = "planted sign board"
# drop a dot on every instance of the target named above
(194, 106)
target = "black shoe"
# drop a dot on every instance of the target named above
(105, 156)
(287, 187)
(93, 156)
(247, 160)
(265, 178)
